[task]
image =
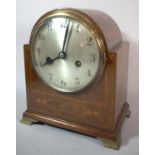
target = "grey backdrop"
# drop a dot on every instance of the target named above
(48, 140)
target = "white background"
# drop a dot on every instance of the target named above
(47, 140)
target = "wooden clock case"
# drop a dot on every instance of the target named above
(98, 111)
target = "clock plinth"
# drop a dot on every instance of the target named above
(113, 144)
(111, 139)
(100, 107)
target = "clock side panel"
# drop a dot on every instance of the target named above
(121, 77)
(28, 73)
(94, 107)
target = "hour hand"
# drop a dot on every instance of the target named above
(50, 60)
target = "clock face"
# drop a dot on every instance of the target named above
(65, 54)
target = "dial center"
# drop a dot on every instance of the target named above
(77, 63)
(62, 54)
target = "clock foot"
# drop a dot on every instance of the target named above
(112, 144)
(28, 121)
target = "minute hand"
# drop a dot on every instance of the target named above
(67, 36)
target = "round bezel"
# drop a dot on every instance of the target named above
(90, 24)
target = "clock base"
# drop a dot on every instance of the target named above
(110, 138)
(106, 142)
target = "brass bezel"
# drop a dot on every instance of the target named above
(94, 30)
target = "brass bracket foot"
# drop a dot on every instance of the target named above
(112, 144)
(28, 121)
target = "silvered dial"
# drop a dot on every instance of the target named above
(65, 54)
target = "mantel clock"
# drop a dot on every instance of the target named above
(76, 66)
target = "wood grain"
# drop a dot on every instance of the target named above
(91, 107)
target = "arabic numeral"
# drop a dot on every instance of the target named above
(50, 76)
(92, 57)
(77, 81)
(64, 25)
(89, 73)
(78, 28)
(63, 83)
(41, 37)
(50, 26)
(38, 50)
(89, 41)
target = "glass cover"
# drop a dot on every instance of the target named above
(65, 54)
